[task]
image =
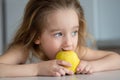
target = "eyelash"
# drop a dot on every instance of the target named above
(59, 34)
(75, 32)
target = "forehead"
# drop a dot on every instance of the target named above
(60, 19)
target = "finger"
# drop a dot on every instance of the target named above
(86, 69)
(80, 68)
(63, 63)
(68, 71)
(61, 72)
(90, 71)
(57, 74)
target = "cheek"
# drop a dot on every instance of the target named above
(75, 41)
(50, 48)
(51, 44)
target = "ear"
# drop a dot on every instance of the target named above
(37, 41)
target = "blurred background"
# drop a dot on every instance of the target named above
(103, 21)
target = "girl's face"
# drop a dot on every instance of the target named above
(61, 32)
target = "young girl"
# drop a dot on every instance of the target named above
(48, 27)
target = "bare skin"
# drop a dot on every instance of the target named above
(58, 36)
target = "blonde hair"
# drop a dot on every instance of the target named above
(34, 20)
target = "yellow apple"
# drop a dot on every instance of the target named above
(69, 56)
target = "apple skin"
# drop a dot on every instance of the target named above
(69, 56)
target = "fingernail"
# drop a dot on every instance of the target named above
(78, 69)
(71, 72)
(70, 65)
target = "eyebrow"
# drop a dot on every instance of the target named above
(75, 27)
(55, 29)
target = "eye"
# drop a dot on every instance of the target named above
(74, 33)
(59, 34)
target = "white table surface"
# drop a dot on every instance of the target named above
(109, 75)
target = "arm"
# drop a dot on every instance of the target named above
(14, 55)
(10, 63)
(46, 68)
(14, 70)
(102, 60)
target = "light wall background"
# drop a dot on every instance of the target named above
(1, 47)
(103, 20)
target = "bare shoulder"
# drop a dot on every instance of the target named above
(14, 55)
(91, 54)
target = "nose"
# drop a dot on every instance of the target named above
(67, 43)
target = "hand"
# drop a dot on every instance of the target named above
(53, 68)
(84, 67)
